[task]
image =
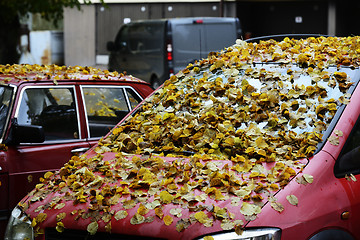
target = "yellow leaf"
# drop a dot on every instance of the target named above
(293, 200)
(60, 227)
(201, 217)
(208, 238)
(308, 178)
(142, 210)
(120, 215)
(249, 209)
(168, 220)
(137, 219)
(277, 206)
(334, 140)
(92, 228)
(166, 197)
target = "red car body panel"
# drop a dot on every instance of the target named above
(23, 165)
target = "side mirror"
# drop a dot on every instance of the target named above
(27, 134)
(110, 46)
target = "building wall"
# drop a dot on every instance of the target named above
(87, 32)
(79, 36)
(109, 20)
(280, 17)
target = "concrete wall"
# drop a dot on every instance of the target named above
(86, 32)
(79, 36)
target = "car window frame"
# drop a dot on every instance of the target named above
(77, 109)
(123, 88)
(11, 106)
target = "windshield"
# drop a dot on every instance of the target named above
(267, 111)
(250, 101)
(5, 99)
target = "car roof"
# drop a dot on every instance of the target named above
(18, 74)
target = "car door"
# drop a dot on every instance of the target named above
(106, 106)
(56, 110)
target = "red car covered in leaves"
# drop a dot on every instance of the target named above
(48, 114)
(258, 141)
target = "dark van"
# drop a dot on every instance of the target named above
(153, 50)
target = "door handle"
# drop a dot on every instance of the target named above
(79, 150)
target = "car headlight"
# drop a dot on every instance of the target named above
(19, 226)
(249, 234)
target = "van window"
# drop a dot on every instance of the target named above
(227, 32)
(106, 106)
(51, 108)
(143, 37)
(121, 38)
(6, 94)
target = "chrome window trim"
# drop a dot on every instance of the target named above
(73, 87)
(104, 86)
(12, 103)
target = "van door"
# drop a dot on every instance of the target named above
(140, 49)
(188, 43)
(219, 34)
(194, 38)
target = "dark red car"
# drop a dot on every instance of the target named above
(257, 142)
(49, 113)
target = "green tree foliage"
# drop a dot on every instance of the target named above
(11, 10)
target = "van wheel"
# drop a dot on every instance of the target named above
(155, 82)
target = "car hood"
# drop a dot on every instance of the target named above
(155, 196)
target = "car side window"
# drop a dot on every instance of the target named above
(106, 106)
(122, 37)
(134, 98)
(51, 108)
(348, 161)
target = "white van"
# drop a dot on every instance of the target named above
(152, 50)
